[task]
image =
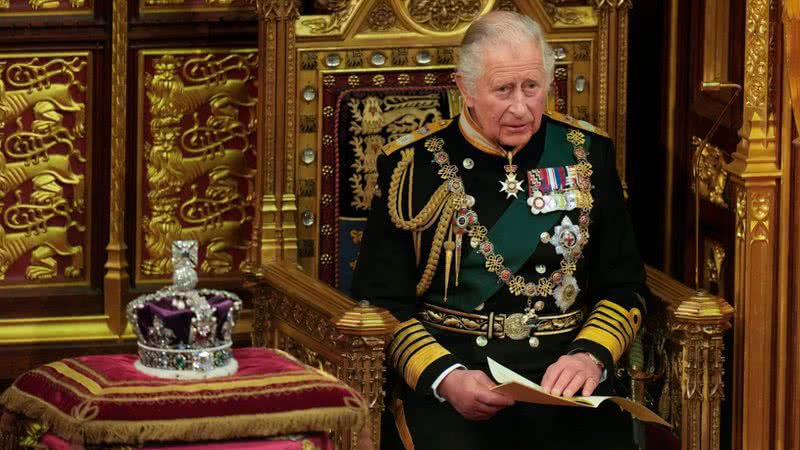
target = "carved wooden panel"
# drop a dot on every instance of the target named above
(45, 168)
(196, 157)
(195, 6)
(43, 7)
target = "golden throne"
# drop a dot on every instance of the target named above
(343, 77)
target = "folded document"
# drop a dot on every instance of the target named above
(524, 390)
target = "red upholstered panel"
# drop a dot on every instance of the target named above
(104, 399)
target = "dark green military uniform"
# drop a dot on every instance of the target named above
(396, 271)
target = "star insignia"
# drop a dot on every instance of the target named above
(511, 186)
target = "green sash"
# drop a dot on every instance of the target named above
(515, 236)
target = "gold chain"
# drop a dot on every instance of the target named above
(518, 286)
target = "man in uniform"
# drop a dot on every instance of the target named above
(503, 233)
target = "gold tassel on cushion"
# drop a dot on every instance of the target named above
(188, 429)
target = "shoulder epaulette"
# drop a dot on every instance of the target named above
(414, 136)
(571, 121)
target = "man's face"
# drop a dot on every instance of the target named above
(510, 96)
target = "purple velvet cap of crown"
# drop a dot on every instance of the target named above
(180, 320)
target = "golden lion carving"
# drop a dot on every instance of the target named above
(43, 241)
(170, 98)
(14, 103)
(160, 231)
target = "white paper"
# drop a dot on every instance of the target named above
(520, 388)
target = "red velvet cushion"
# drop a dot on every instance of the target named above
(104, 399)
(315, 441)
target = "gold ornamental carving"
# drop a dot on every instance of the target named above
(576, 16)
(43, 162)
(324, 329)
(756, 59)
(46, 4)
(306, 355)
(759, 219)
(507, 5)
(33, 83)
(31, 228)
(741, 212)
(697, 325)
(710, 170)
(313, 322)
(341, 10)
(441, 17)
(198, 155)
(714, 261)
(174, 6)
(374, 121)
(117, 262)
(613, 4)
(180, 2)
(603, 66)
(381, 18)
(270, 10)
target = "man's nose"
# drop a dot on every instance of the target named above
(518, 105)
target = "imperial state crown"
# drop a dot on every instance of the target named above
(183, 332)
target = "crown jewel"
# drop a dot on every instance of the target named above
(184, 332)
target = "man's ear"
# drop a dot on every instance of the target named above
(462, 87)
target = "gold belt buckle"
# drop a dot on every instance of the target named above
(518, 326)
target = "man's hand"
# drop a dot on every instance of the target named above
(571, 373)
(469, 393)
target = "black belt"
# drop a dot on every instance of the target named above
(514, 326)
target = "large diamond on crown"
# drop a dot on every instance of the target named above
(183, 332)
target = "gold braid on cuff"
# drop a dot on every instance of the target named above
(412, 350)
(612, 326)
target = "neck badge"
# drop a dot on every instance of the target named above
(511, 186)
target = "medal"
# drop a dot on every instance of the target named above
(511, 186)
(566, 238)
(553, 189)
(566, 293)
(550, 189)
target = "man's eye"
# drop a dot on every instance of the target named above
(503, 89)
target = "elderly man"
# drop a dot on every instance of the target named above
(503, 234)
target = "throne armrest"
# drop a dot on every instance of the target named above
(324, 328)
(681, 374)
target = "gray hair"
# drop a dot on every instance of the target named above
(500, 27)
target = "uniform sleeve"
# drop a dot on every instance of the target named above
(386, 275)
(616, 275)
